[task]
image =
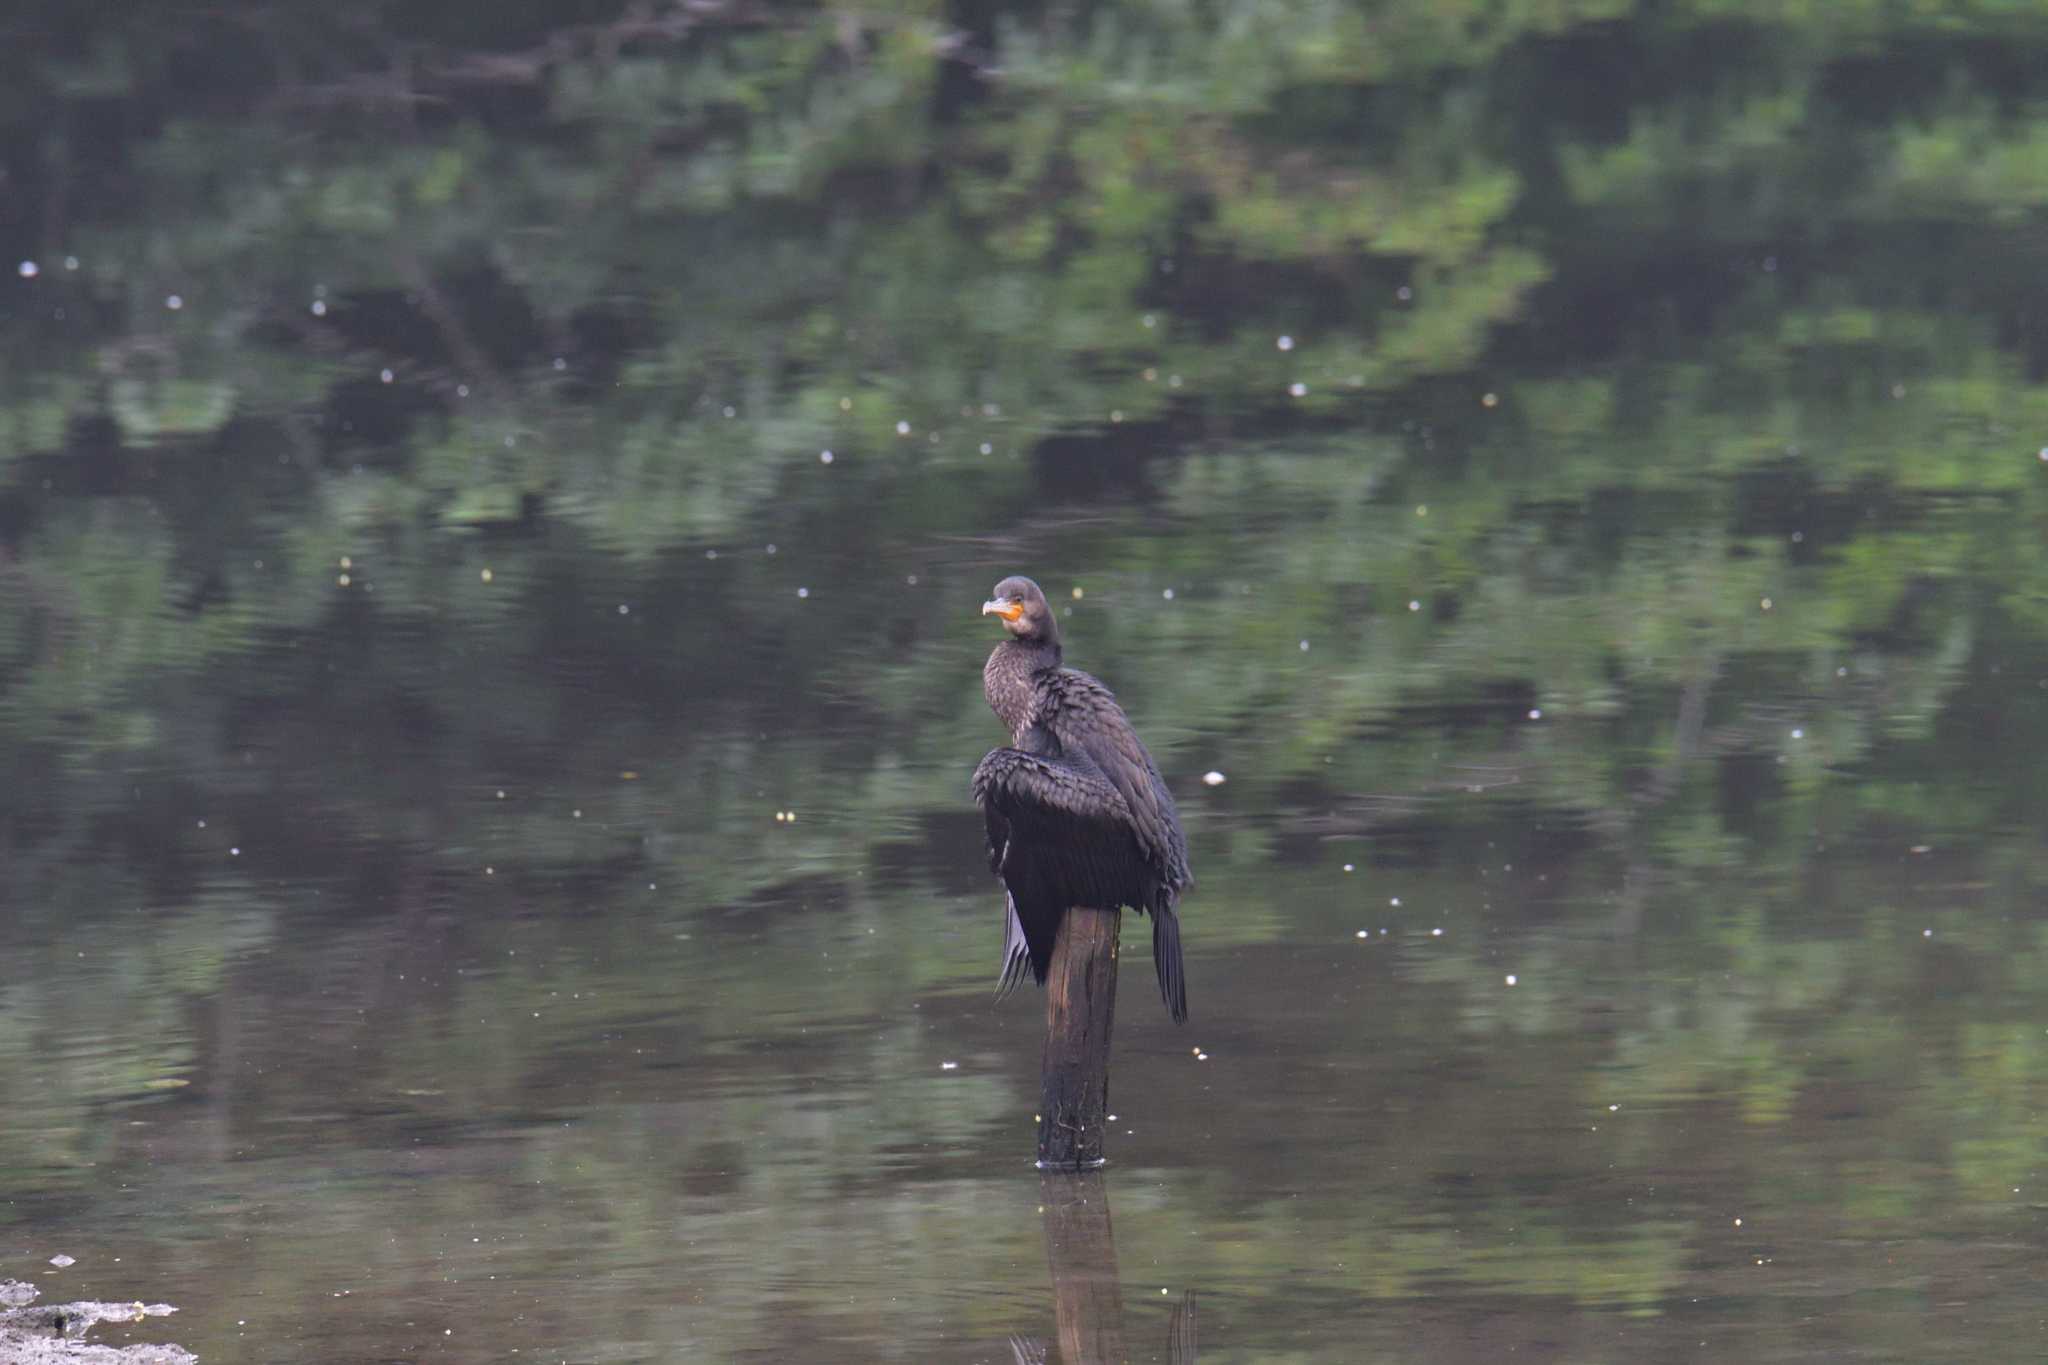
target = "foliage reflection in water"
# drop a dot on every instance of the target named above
(488, 864)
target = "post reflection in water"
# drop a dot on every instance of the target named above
(1080, 1249)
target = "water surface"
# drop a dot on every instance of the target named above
(490, 548)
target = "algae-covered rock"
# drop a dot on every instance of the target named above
(53, 1334)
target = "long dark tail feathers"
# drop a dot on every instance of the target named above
(1019, 964)
(1173, 984)
(1016, 951)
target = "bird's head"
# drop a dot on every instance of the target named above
(1023, 609)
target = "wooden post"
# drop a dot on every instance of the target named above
(1080, 1006)
(1087, 1296)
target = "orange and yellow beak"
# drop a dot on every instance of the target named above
(1009, 608)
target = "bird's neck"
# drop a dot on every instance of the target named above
(1043, 653)
(1011, 674)
(1032, 656)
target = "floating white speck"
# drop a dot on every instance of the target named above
(174, 302)
(576, 814)
(1395, 901)
(1535, 713)
(1510, 978)
(1613, 1108)
(624, 609)
(560, 363)
(949, 1066)
(803, 592)
(2044, 452)
(1365, 933)
(1490, 400)
(385, 376)
(1765, 604)
(1168, 594)
(485, 575)
(1173, 381)
(1116, 414)
(29, 270)
(1436, 933)
(903, 428)
(319, 308)
(1799, 537)
(1404, 293)
(1738, 1222)
(1298, 389)
(1304, 646)
(1799, 734)
(987, 449)
(1150, 321)
(1212, 778)
(1285, 343)
(1422, 510)
(1201, 1056)
(1841, 672)
(462, 390)
(1347, 867)
(341, 580)
(770, 547)
(237, 852)
(1927, 933)
(202, 824)
(824, 457)
(60, 1260)
(1415, 604)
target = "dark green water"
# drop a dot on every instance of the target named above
(1579, 473)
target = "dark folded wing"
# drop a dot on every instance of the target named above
(1085, 721)
(1059, 836)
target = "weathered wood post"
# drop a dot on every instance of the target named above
(1080, 1006)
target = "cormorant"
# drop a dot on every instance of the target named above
(1077, 812)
